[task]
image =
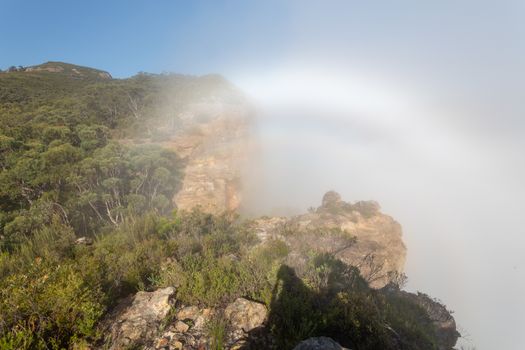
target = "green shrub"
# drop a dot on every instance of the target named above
(125, 259)
(49, 301)
(410, 321)
(20, 338)
(208, 280)
(217, 329)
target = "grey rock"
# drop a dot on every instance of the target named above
(319, 343)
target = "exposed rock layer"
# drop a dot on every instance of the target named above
(142, 322)
(214, 143)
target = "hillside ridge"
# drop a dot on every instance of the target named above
(63, 68)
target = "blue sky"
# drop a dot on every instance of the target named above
(125, 37)
(442, 39)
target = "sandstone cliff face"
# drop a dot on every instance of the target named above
(358, 234)
(214, 143)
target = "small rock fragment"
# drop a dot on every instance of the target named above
(188, 313)
(181, 327)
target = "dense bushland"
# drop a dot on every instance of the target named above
(62, 148)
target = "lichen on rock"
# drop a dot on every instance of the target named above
(136, 320)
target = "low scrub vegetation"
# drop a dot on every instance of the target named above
(53, 291)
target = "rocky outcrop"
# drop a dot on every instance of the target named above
(319, 343)
(137, 320)
(358, 234)
(150, 320)
(192, 326)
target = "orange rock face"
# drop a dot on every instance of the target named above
(214, 151)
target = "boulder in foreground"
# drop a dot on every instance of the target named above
(138, 319)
